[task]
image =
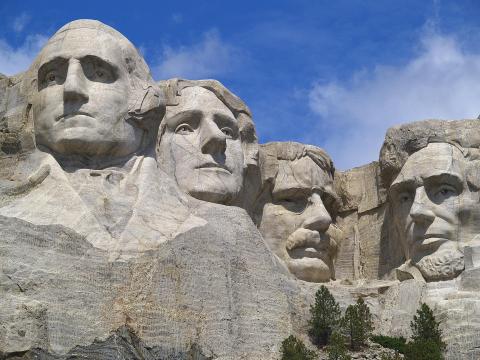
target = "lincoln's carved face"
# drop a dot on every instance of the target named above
(295, 223)
(436, 213)
(201, 147)
(83, 96)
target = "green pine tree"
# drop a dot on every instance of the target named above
(325, 316)
(336, 348)
(427, 341)
(425, 327)
(357, 324)
(294, 349)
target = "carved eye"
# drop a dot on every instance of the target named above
(98, 70)
(101, 75)
(404, 198)
(51, 78)
(445, 191)
(183, 129)
(295, 205)
(228, 132)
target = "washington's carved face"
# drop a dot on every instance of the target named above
(435, 212)
(295, 223)
(83, 95)
(201, 147)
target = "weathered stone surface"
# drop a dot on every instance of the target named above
(360, 217)
(205, 286)
(122, 344)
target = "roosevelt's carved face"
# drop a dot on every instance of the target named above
(83, 96)
(435, 212)
(201, 147)
(295, 223)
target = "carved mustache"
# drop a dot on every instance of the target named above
(302, 238)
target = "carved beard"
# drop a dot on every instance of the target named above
(444, 265)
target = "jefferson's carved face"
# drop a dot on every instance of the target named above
(435, 212)
(295, 223)
(83, 96)
(201, 147)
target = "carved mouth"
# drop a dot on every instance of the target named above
(430, 241)
(213, 166)
(307, 252)
(72, 114)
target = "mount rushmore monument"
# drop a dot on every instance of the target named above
(142, 219)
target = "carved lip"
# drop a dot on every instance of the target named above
(431, 240)
(72, 114)
(302, 252)
(213, 166)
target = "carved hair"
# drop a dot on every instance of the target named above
(405, 140)
(173, 90)
(274, 151)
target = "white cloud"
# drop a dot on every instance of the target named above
(442, 81)
(211, 57)
(14, 60)
(20, 22)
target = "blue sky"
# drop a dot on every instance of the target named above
(335, 74)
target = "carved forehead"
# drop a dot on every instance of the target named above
(434, 159)
(199, 98)
(82, 42)
(301, 173)
(90, 37)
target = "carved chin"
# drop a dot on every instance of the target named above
(309, 269)
(444, 265)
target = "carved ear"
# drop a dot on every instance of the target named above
(148, 98)
(472, 174)
(249, 140)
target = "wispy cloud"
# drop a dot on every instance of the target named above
(177, 18)
(20, 22)
(441, 81)
(14, 60)
(211, 57)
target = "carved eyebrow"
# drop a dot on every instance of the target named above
(296, 193)
(100, 61)
(450, 178)
(182, 116)
(225, 119)
(400, 185)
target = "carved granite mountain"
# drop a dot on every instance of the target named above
(142, 220)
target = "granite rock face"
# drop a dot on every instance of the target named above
(142, 220)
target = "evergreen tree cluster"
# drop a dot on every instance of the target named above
(356, 325)
(330, 330)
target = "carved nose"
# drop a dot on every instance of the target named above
(214, 140)
(421, 210)
(317, 216)
(75, 86)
